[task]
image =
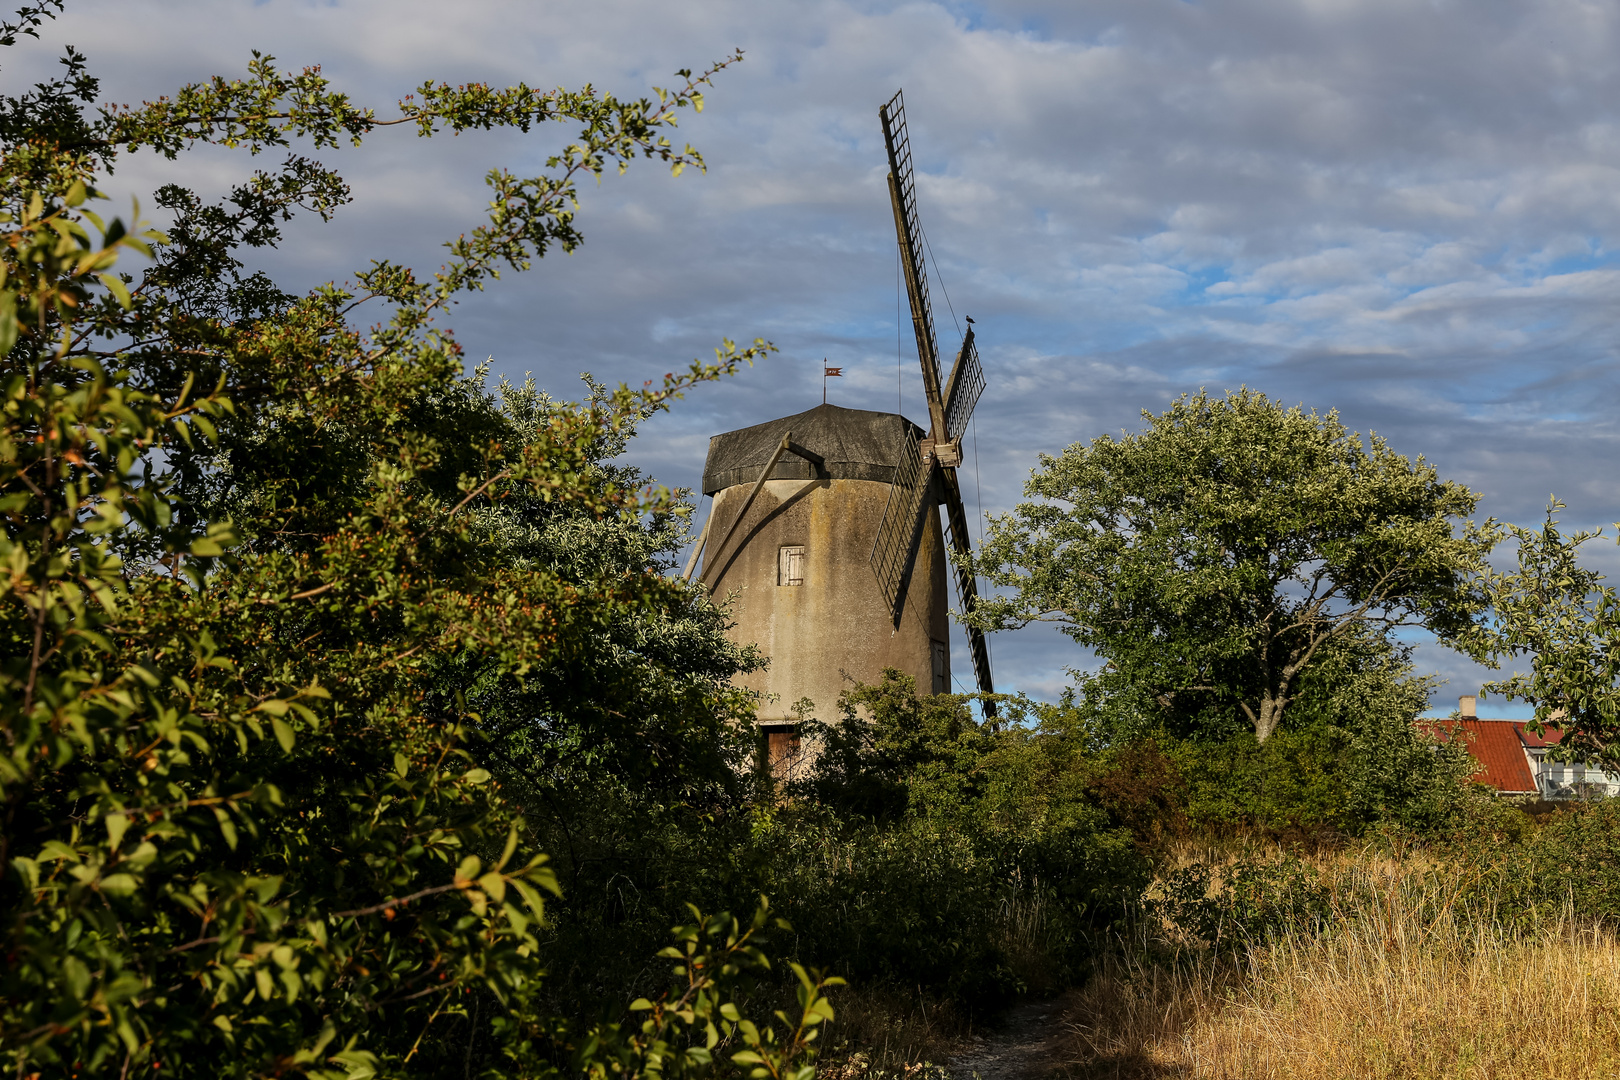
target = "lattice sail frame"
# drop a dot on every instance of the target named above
(967, 383)
(898, 143)
(894, 551)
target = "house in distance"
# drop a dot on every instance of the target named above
(1514, 760)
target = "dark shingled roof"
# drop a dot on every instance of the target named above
(857, 444)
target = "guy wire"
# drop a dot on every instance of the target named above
(978, 495)
(940, 274)
(899, 346)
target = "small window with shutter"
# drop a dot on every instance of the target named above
(942, 667)
(790, 565)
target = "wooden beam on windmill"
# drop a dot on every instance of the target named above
(787, 446)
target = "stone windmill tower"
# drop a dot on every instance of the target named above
(826, 523)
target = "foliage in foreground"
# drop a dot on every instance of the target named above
(251, 613)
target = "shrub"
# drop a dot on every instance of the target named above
(1570, 864)
(928, 847)
(1251, 900)
(248, 826)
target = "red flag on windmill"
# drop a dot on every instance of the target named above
(826, 373)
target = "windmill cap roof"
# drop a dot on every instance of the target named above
(856, 445)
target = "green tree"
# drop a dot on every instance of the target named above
(1210, 558)
(1560, 614)
(246, 825)
(644, 697)
(628, 748)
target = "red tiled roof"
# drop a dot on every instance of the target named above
(1498, 746)
(1534, 741)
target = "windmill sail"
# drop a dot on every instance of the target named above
(962, 393)
(903, 194)
(895, 550)
(967, 585)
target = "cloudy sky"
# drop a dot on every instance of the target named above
(1403, 209)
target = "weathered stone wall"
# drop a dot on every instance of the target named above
(834, 629)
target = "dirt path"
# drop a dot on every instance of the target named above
(1024, 1046)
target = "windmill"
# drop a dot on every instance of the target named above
(929, 464)
(823, 535)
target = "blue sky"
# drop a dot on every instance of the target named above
(1403, 209)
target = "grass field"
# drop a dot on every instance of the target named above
(1402, 983)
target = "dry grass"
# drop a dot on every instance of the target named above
(881, 1033)
(1393, 990)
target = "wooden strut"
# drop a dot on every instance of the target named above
(787, 446)
(697, 548)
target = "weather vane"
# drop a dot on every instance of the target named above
(827, 372)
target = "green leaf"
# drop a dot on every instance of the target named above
(116, 825)
(55, 849)
(284, 733)
(494, 885)
(531, 897)
(511, 846)
(8, 320)
(116, 286)
(118, 884)
(359, 1064)
(227, 827)
(29, 869)
(76, 975)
